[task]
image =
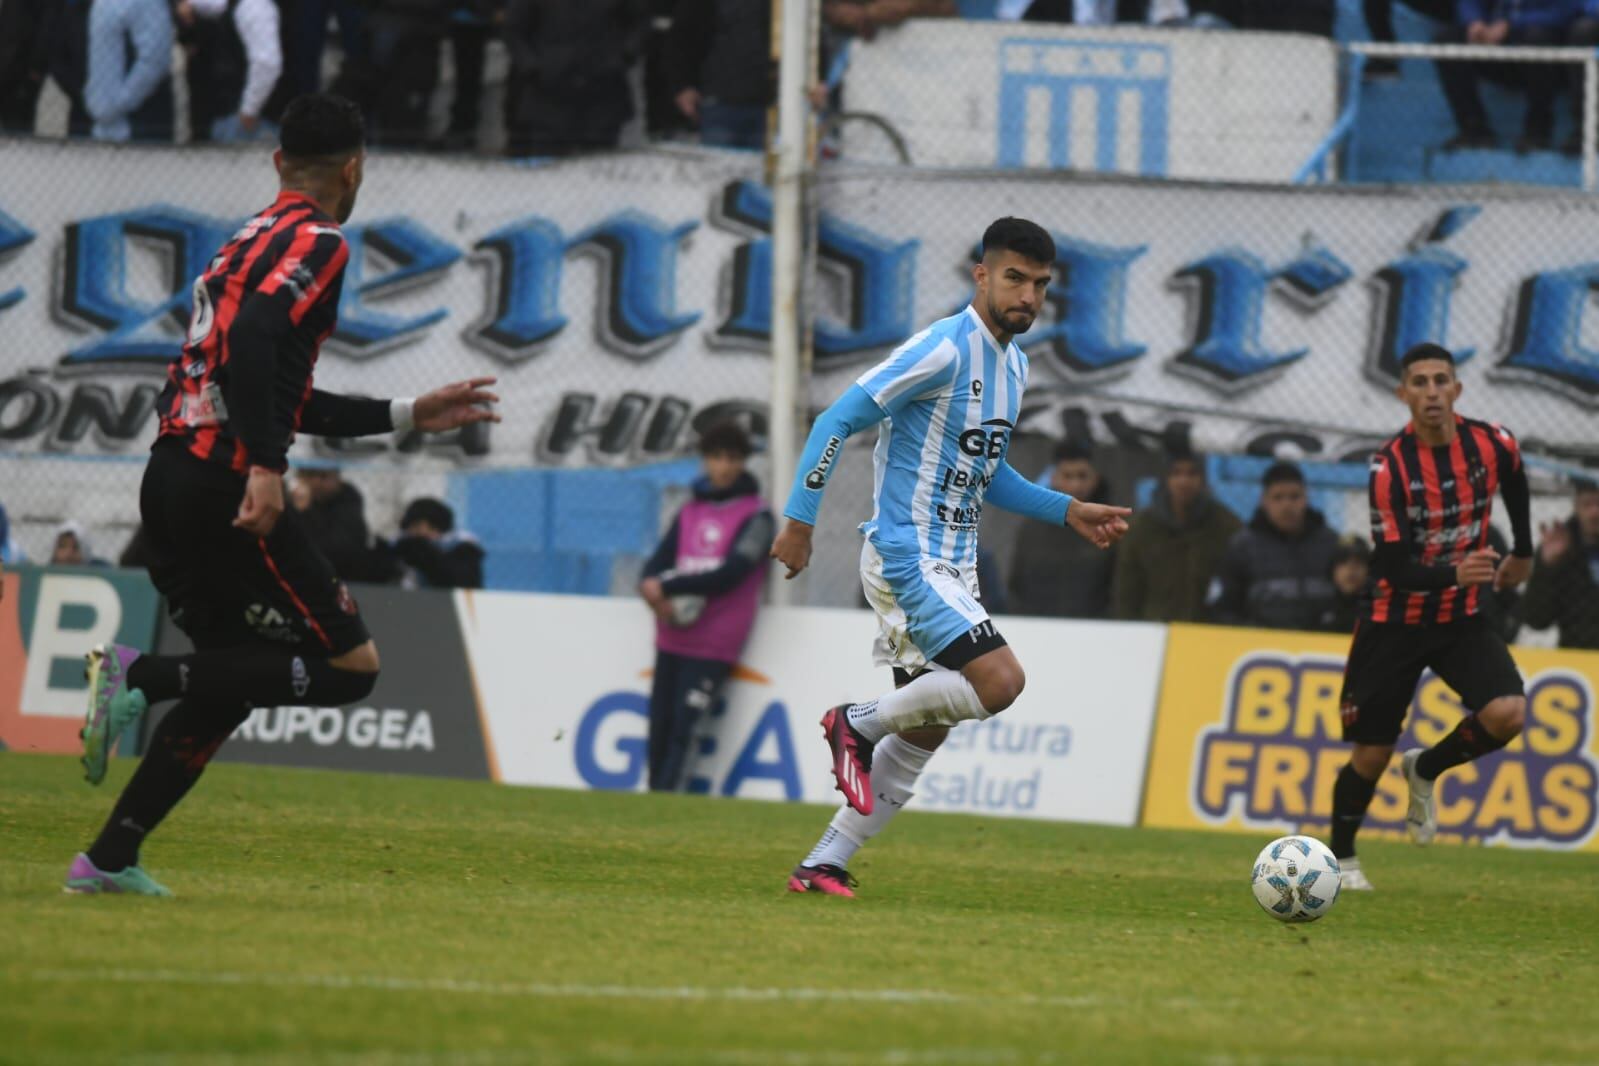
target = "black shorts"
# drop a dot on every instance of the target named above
(225, 587)
(981, 639)
(1386, 663)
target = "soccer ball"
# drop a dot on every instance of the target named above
(1295, 879)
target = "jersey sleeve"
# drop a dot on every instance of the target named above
(1390, 520)
(851, 413)
(1514, 488)
(1014, 493)
(917, 370)
(310, 272)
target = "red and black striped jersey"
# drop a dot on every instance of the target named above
(262, 309)
(1430, 507)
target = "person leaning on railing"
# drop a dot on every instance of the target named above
(1512, 23)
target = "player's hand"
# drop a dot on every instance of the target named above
(1100, 524)
(792, 548)
(1478, 568)
(1496, 32)
(650, 589)
(459, 404)
(1512, 572)
(263, 502)
(1555, 543)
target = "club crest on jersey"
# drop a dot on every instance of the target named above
(817, 477)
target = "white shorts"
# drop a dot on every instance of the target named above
(923, 605)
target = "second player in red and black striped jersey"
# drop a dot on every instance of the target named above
(1430, 508)
(243, 385)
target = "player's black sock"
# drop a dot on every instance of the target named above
(1351, 796)
(181, 746)
(260, 677)
(1469, 740)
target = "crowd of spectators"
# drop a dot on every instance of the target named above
(704, 65)
(1188, 558)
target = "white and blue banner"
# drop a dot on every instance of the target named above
(569, 708)
(625, 301)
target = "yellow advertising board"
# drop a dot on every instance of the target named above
(1248, 737)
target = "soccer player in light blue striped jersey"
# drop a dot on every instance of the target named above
(945, 404)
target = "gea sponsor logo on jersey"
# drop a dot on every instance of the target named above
(1273, 760)
(357, 727)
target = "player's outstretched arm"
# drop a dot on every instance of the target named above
(1098, 523)
(327, 414)
(851, 413)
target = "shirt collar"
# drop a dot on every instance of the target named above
(977, 320)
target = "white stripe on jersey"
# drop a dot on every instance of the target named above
(915, 375)
(932, 453)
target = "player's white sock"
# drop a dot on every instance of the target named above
(941, 697)
(896, 764)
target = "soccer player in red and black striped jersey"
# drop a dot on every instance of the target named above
(1432, 489)
(270, 622)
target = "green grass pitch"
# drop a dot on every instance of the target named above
(342, 918)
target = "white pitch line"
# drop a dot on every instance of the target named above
(365, 982)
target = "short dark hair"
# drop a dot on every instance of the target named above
(1350, 547)
(1074, 449)
(1182, 453)
(1027, 239)
(1282, 471)
(726, 437)
(435, 513)
(321, 126)
(1426, 350)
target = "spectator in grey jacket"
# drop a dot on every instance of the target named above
(128, 91)
(24, 60)
(1277, 571)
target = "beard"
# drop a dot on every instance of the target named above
(1015, 322)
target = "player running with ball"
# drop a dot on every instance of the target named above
(1432, 490)
(945, 403)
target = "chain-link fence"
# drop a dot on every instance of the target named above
(625, 300)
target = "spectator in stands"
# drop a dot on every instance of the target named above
(1583, 33)
(863, 18)
(1164, 563)
(128, 87)
(1531, 23)
(1106, 12)
(569, 73)
(1054, 571)
(1351, 570)
(1275, 16)
(663, 118)
(404, 37)
(430, 551)
(703, 583)
(10, 552)
(1564, 588)
(24, 61)
(1380, 21)
(306, 39)
(71, 547)
(1277, 570)
(718, 64)
(235, 56)
(333, 513)
(473, 24)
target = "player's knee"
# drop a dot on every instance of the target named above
(1001, 688)
(1505, 716)
(1370, 760)
(360, 660)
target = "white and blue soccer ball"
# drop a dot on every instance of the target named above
(1295, 879)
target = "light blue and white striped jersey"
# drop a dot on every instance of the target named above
(952, 396)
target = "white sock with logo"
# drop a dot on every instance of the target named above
(896, 764)
(940, 697)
